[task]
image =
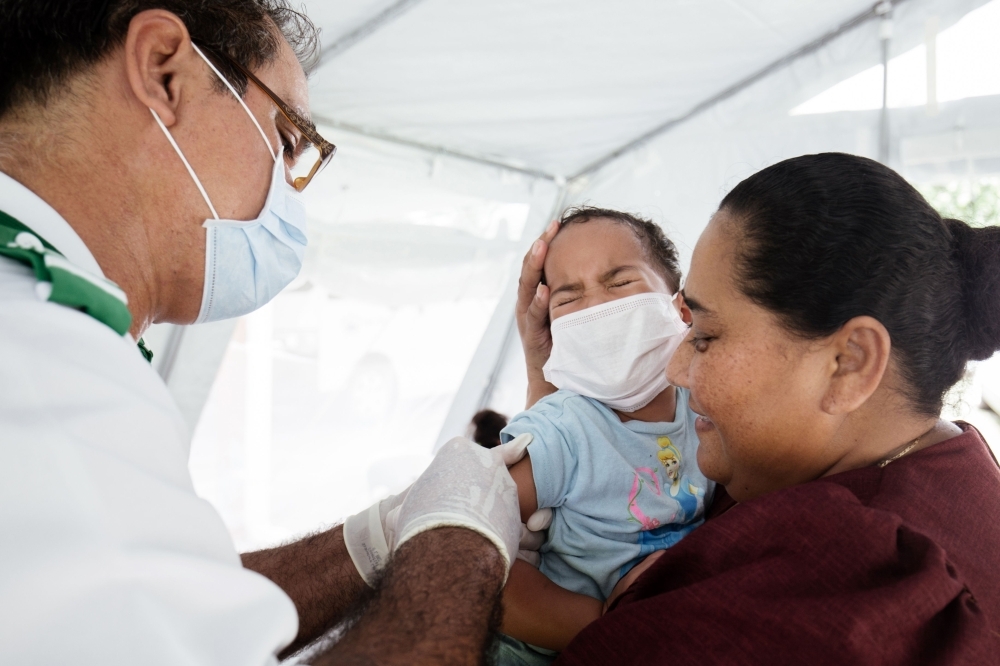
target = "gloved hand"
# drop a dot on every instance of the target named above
(532, 533)
(370, 536)
(464, 486)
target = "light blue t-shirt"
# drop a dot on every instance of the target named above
(619, 491)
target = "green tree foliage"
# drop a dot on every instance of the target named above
(974, 201)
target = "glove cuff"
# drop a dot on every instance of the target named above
(366, 543)
(433, 521)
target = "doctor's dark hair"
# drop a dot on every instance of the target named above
(45, 43)
(659, 249)
(829, 237)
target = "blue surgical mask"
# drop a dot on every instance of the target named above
(247, 262)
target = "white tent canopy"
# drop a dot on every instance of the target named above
(463, 128)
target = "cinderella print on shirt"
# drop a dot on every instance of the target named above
(656, 534)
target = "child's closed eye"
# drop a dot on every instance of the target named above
(564, 301)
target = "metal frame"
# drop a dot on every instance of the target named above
(734, 89)
(365, 30)
(435, 150)
(394, 11)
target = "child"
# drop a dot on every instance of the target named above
(613, 451)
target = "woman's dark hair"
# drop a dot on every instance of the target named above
(660, 250)
(44, 43)
(487, 425)
(825, 238)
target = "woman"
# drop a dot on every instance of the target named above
(832, 308)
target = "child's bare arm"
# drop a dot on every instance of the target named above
(526, 497)
(536, 610)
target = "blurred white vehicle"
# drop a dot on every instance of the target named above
(392, 310)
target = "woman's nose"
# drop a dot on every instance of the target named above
(677, 369)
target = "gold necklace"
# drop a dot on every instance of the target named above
(910, 447)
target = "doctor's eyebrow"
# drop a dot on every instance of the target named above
(302, 117)
(306, 119)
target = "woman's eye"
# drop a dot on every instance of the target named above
(622, 283)
(700, 344)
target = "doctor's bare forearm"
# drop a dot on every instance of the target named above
(438, 603)
(319, 576)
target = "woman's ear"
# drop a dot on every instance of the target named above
(157, 49)
(862, 348)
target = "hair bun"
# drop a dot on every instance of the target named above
(977, 253)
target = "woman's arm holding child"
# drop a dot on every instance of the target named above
(532, 313)
(536, 610)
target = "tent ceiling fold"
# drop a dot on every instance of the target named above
(549, 86)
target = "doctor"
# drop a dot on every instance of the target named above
(148, 160)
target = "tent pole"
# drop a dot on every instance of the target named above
(511, 333)
(433, 149)
(481, 376)
(365, 30)
(168, 359)
(884, 9)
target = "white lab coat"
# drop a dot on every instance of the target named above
(107, 556)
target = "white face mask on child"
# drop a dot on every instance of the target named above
(617, 352)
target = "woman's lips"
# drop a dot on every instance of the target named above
(703, 424)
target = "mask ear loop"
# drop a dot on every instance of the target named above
(187, 165)
(238, 99)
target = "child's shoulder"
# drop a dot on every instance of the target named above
(564, 418)
(564, 411)
(568, 401)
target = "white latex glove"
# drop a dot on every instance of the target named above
(464, 486)
(370, 536)
(533, 533)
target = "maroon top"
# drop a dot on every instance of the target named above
(893, 565)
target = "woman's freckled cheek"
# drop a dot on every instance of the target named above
(727, 392)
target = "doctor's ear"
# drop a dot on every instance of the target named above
(860, 355)
(157, 49)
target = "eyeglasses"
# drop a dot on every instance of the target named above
(318, 146)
